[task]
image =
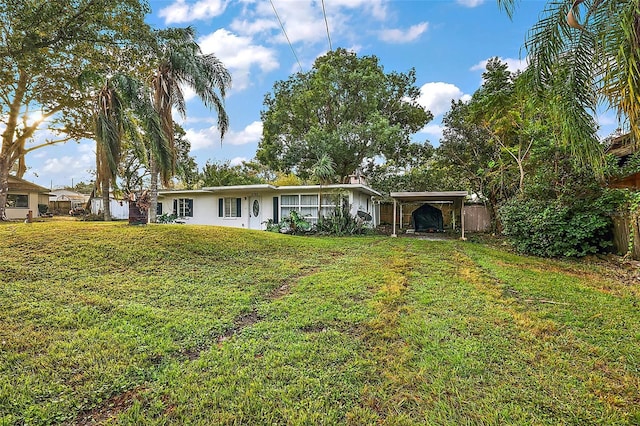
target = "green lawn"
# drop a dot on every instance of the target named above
(172, 324)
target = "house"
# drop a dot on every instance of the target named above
(62, 201)
(251, 206)
(623, 147)
(25, 197)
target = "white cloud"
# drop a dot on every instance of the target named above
(236, 161)
(239, 55)
(512, 64)
(470, 3)
(179, 11)
(207, 137)
(434, 131)
(437, 96)
(404, 36)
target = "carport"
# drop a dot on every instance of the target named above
(456, 198)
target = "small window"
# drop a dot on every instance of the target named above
(230, 207)
(18, 201)
(256, 208)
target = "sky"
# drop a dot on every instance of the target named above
(447, 42)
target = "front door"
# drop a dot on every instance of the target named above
(255, 213)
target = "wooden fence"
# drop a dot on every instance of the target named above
(622, 229)
(476, 216)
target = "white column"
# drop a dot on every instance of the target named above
(394, 218)
(462, 218)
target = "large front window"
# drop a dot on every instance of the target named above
(306, 205)
(183, 207)
(231, 207)
(17, 201)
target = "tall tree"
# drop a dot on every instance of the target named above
(347, 107)
(45, 46)
(181, 63)
(122, 107)
(586, 52)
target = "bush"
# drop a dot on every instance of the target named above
(553, 228)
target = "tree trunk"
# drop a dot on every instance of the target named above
(4, 187)
(106, 205)
(153, 191)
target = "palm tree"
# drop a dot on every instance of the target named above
(182, 64)
(586, 52)
(122, 108)
(324, 172)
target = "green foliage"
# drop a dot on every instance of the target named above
(346, 107)
(553, 228)
(166, 218)
(294, 224)
(224, 174)
(341, 222)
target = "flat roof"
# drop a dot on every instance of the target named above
(452, 196)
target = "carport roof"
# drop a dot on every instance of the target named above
(453, 196)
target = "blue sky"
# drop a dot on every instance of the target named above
(446, 41)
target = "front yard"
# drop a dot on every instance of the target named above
(170, 324)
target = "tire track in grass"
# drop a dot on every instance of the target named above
(117, 404)
(596, 388)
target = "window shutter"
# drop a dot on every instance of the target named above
(175, 207)
(239, 206)
(190, 207)
(220, 207)
(275, 210)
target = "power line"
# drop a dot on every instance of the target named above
(326, 24)
(285, 33)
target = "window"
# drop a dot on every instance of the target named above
(306, 205)
(17, 201)
(230, 207)
(183, 207)
(159, 209)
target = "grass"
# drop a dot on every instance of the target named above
(104, 323)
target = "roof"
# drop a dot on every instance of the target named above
(66, 195)
(452, 196)
(622, 145)
(17, 184)
(273, 188)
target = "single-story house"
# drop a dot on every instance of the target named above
(23, 197)
(251, 206)
(61, 201)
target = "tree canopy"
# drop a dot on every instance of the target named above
(346, 107)
(45, 48)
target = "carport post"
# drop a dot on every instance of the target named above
(462, 218)
(401, 215)
(394, 218)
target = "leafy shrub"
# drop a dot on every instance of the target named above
(166, 218)
(340, 221)
(554, 228)
(294, 224)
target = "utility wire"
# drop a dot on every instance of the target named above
(285, 33)
(326, 24)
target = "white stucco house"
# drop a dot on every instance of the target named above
(251, 206)
(24, 197)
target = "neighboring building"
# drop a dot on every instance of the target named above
(62, 201)
(119, 209)
(623, 147)
(251, 206)
(23, 197)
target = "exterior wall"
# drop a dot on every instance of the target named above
(206, 205)
(22, 212)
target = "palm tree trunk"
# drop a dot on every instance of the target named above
(153, 192)
(106, 205)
